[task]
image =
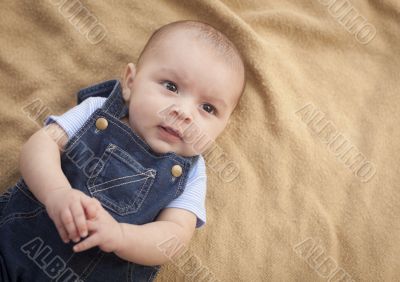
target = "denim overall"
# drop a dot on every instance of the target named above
(112, 164)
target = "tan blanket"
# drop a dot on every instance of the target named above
(306, 187)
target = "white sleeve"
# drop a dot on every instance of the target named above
(194, 196)
(72, 120)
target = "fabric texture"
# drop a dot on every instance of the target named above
(192, 198)
(292, 186)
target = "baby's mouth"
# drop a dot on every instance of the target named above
(172, 132)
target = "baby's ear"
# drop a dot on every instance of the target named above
(128, 78)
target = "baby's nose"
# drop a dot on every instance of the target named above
(182, 115)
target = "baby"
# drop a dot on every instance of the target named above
(121, 173)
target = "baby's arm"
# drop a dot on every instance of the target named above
(153, 243)
(40, 166)
(40, 163)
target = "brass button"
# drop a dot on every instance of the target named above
(101, 123)
(176, 170)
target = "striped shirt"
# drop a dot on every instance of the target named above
(193, 197)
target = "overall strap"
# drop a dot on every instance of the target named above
(111, 90)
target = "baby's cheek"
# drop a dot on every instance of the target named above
(212, 130)
(199, 146)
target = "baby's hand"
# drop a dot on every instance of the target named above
(69, 208)
(104, 231)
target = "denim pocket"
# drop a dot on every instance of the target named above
(120, 182)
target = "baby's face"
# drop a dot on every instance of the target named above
(185, 85)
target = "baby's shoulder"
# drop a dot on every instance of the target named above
(201, 162)
(198, 168)
(94, 102)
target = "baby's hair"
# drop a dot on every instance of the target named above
(205, 32)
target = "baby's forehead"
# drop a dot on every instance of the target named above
(215, 44)
(208, 38)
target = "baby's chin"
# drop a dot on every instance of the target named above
(161, 147)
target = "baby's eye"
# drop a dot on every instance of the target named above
(209, 108)
(170, 86)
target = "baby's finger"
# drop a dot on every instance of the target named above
(91, 207)
(92, 225)
(69, 224)
(89, 242)
(61, 230)
(79, 219)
